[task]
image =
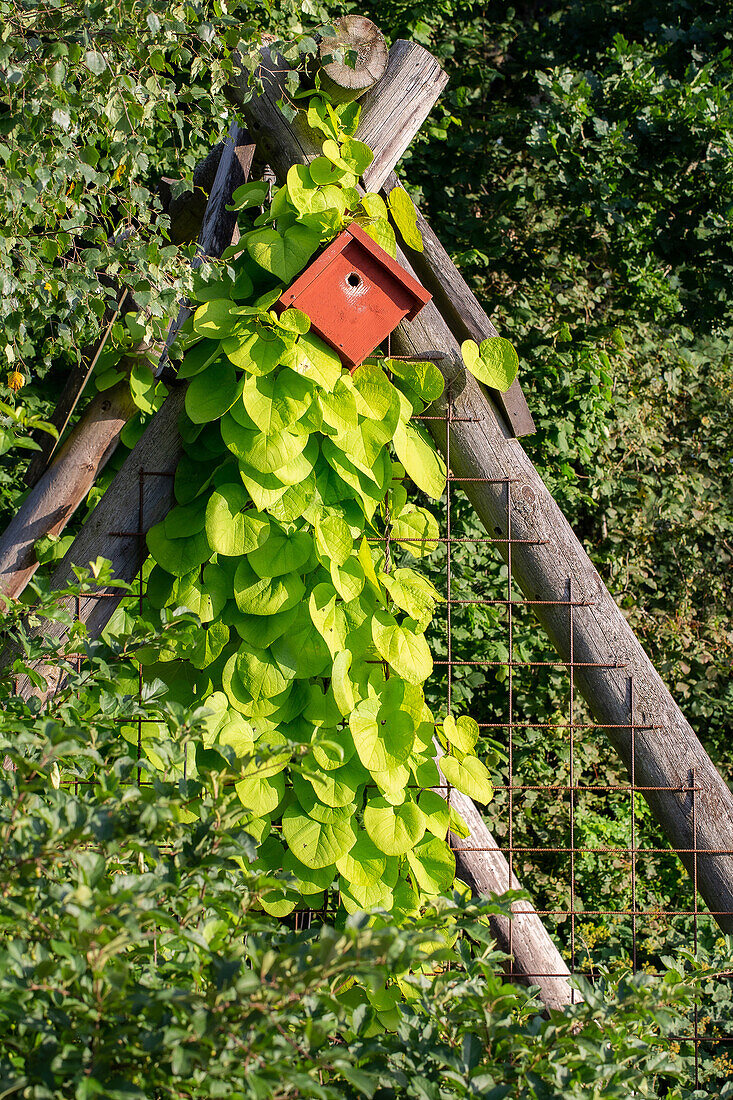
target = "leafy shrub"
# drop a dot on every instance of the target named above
(135, 962)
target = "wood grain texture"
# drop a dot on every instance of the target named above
(392, 112)
(462, 311)
(76, 381)
(612, 671)
(356, 33)
(482, 865)
(536, 959)
(140, 496)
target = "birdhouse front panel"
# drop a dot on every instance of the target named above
(355, 294)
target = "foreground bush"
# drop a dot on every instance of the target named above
(135, 961)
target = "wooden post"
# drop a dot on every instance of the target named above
(482, 866)
(609, 667)
(392, 112)
(62, 488)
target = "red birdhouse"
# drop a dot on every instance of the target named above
(355, 295)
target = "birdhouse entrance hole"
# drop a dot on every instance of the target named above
(353, 279)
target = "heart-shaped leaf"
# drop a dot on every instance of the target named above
(177, 556)
(283, 552)
(261, 796)
(433, 865)
(315, 360)
(469, 776)
(250, 194)
(276, 401)
(282, 254)
(230, 530)
(402, 647)
(494, 361)
(265, 596)
(215, 318)
(255, 349)
(317, 843)
(461, 733)
(383, 736)
(212, 392)
(416, 530)
(395, 830)
(260, 673)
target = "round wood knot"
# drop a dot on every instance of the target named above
(527, 494)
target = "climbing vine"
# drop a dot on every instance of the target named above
(291, 499)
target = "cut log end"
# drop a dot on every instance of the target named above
(354, 34)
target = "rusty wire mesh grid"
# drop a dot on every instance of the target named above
(636, 855)
(554, 864)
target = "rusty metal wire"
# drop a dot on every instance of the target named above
(574, 923)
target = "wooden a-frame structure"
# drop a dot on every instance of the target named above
(612, 672)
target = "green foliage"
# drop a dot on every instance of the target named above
(98, 102)
(312, 645)
(578, 172)
(135, 959)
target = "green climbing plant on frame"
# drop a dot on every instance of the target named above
(311, 649)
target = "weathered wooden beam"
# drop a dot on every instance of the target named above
(64, 485)
(459, 306)
(74, 387)
(607, 664)
(483, 866)
(392, 112)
